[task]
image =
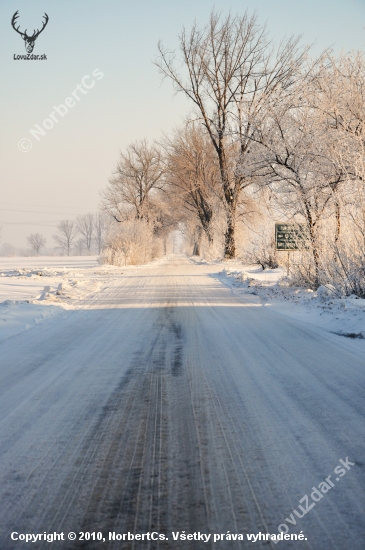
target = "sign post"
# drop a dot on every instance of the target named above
(288, 237)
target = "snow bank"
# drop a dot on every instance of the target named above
(270, 288)
(18, 316)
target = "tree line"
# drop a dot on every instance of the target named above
(85, 234)
(274, 135)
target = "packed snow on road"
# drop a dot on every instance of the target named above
(181, 398)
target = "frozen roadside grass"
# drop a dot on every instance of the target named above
(270, 288)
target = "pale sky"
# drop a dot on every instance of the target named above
(63, 173)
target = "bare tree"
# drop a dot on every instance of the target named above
(339, 93)
(79, 246)
(66, 236)
(193, 175)
(133, 186)
(7, 249)
(231, 72)
(298, 166)
(102, 224)
(85, 226)
(36, 241)
(336, 93)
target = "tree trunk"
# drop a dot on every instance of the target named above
(315, 254)
(207, 231)
(338, 222)
(197, 241)
(337, 231)
(229, 240)
(313, 240)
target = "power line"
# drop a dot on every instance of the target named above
(46, 206)
(38, 212)
(43, 224)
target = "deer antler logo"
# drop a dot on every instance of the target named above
(29, 40)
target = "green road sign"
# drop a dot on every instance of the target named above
(288, 236)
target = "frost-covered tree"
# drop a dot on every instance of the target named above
(85, 226)
(193, 177)
(36, 241)
(340, 99)
(309, 153)
(138, 177)
(296, 166)
(102, 225)
(229, 70)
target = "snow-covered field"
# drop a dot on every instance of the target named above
(24, 278)
(36, 288)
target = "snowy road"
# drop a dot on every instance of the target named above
(169, 404)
